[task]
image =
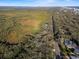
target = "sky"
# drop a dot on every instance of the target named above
(39, 3)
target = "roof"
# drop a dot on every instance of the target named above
(74, 57)
(69, 44)
(77, 50)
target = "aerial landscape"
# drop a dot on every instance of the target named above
(42, 29)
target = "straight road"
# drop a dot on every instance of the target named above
(56, 46)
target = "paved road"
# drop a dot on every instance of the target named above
(57, 50)
(56, 46)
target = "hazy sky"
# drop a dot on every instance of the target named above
(39, 2)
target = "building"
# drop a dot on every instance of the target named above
(76, 50)
(69, 44)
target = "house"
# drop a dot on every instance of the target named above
(74, 57)
(76, 50)
(69, 44)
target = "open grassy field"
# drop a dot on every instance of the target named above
(17, 23)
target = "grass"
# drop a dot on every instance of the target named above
(22, 22)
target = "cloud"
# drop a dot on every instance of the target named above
(38, 2)
(44, 2)
(68, 0)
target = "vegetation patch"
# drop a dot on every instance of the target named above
(18, 23)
